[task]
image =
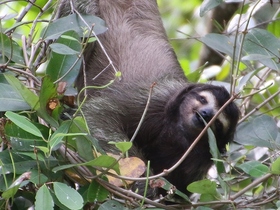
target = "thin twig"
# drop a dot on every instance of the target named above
(259, 106)
(144, 113)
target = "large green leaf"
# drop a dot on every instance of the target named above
(68, 196)
(17, 164)
(24, 123)
(44, 199)
(10, 49)
(28, 96)
(65, 67)
(263, 46)
(10, 98)
(220, 43)
(254, 168)
(21, 140)
(261, 131)
(79, 24)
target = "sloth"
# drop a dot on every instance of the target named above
(137, 44)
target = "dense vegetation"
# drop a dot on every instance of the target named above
(51, 163)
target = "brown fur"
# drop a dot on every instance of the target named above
(138, 46)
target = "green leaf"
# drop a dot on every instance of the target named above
(215, 151)
(111, 204)
(65, 67)
(45, 150)
(9, 193)
(260, 131)
(29, 97)
(254, 168)
(75, 23)
(48, 91)
(220, 43)
(105, 161)
(204, 186)
(68, 196)
(96, 192)
(122, 146)
(63, 49)
(207, 5)
(18, 163)
(11, 50)
(10, 98)
(101, 161)
(21, 140)
(37, 177)
(195, 75)
(262, 43)
(83, 144)
(207, 198)
(24, 123)
(214, 148)
(44, 199)
(275, 166)
(58, 135)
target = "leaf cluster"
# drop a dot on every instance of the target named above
(50, 160)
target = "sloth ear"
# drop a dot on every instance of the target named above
(174, 103)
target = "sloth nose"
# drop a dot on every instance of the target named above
(206, 114)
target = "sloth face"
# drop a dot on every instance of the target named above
(204, 102)
(205, 106)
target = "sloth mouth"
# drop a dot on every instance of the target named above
(199, 120)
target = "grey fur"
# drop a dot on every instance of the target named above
(137, 44)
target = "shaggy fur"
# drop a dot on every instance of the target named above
(138, 46)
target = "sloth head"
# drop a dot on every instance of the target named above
(199, 101)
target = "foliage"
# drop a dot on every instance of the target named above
(54, 163)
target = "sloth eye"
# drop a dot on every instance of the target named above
(202, 100)
(219, 125)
